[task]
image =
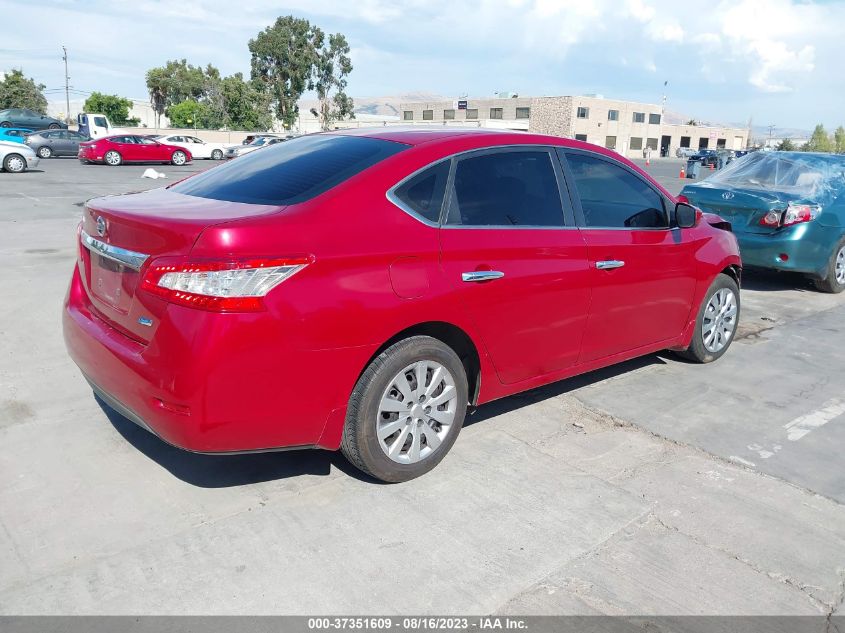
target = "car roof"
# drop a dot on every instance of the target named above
(416, 135)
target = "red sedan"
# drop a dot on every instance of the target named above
(131, 148)
(359, 290)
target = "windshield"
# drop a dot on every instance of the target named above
(808, 175)
(259, 141)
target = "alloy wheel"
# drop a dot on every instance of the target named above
(15, 164)
(45, 152)
(112, 158)
(839, 266)
(719, 322)
(416, 412)
(178, 158)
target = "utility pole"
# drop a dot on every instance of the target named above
(771, 132)
(67, 87)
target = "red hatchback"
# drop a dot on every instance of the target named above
(359, 290)
(131, 148)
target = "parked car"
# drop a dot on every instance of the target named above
(94, 125)
(684, 152)
(706, 157)
(787, 210)
(56, 143)
(233, 151)
(131, 148)
(22, 117)
(359, 289)
(251, 137)
(196, 146)
(14, 134)
(17, 157)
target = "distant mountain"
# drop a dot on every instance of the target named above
(383, 105)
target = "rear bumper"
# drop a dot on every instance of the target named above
(209, 382)
(807, 248)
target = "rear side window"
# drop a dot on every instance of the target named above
(423, 193)
(292, 172)
(507, 188)
(613, 197)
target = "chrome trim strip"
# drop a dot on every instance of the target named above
(128, 258)
(482, 275)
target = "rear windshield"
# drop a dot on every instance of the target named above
(809, 175)
(291, 172)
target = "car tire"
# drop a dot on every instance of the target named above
(835, 280)
(217, 154)
(54, 126)
(112, 158)
(178, 158)
(44, 152)
(5, 124)
(716, 322)
(14, 163)
(387, 397)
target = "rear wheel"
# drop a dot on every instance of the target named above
(716, 323)
(178, 158)
(406, 410)
(113, 158)
(14, 163)
(45, 152)
(55, 126)
(5, 124)
(835, 281)
(217, 154)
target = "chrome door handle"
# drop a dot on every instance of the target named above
(609, 264)
(482, 275)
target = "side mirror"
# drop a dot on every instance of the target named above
(686, 215)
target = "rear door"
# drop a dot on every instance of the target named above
(515, 259)
(642, 270)
(73, 141)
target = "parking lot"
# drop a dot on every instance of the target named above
(652, 487)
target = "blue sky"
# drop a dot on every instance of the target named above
(778, 61)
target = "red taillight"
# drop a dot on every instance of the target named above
(794, 214)
(230, 286)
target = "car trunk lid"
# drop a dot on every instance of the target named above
(743, 208)
(121, 235)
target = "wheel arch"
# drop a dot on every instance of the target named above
(734, 271)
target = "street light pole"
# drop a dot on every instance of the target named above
(67, 87)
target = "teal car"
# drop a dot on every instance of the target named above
(14, 134)
(787, 210)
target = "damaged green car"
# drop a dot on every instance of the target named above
(787, 210)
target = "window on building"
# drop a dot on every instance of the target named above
(651, 143)
(639, 117)
(423, 194)
(496, 113)
(583, 113)
(685, 141)
(472, 113)
(613, 197)
(508, 188)
(408, 115)
(448, 115)
(703, 142)
(654, 119)
(523, 113)
(428, 115)
(720, 143)
(613, 115)
(610, 142)
(636, 142)
(581, 137)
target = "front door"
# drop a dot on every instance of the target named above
(642, 271)
(516, 261)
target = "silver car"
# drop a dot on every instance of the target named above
(17, 157)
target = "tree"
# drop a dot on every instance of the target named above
(692, 122)
(283, 59)
(819, 141)
(332, 67)
(175, 82)
(839, 140)
(114, 107)
(247, 108)
(17, 91)
(189, 113)
(786, 145)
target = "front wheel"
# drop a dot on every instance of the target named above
(113, 158)
(55, 126)
(217, 154)
(45, 152)
(14, 163)
(835, 280)
(178, 158)
(406, 410)
(715, 326)
(5, 124)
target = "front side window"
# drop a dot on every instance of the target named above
(583, 113)
(523, 113)
(496, 113)
(506, 188)
(408, 115)
(291, 172)
(613, 197)
(100, 121)
(423, 193)
(639, 117)
(428, 115)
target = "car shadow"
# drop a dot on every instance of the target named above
(773, 280)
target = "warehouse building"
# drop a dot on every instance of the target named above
(625, 126)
